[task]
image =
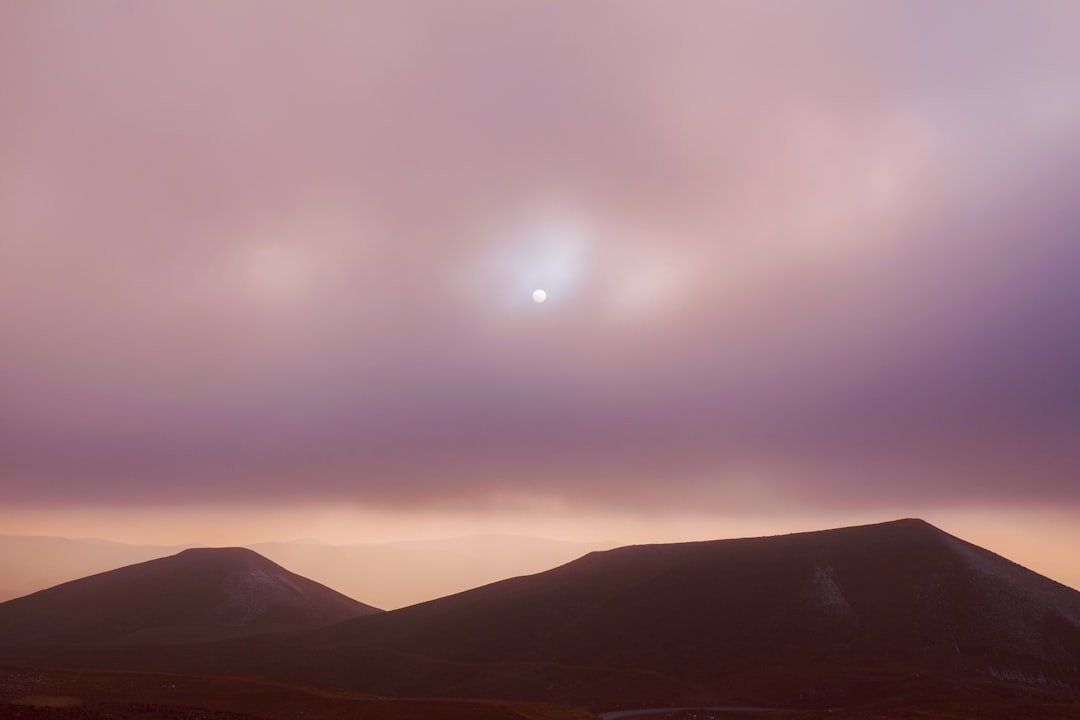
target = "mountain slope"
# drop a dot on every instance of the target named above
(197, 594)
(782, 619)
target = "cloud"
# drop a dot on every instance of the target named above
(818, 255)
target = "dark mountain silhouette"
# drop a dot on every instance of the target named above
(197, 594)
(808, 618)
(898, 611)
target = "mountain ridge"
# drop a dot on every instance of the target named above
(196, 594)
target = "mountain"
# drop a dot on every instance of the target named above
(818, 618)
(197, 594)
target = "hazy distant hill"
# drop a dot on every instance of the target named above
(32, 563)
(393, 575)
(198, 594)
(388, 575)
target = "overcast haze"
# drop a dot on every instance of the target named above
(804, 262)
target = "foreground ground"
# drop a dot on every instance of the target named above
(985, 710)
(49, 694)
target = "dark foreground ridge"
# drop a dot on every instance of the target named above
(197, 594)
(896, 612)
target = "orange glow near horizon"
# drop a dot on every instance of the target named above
(1039, 539)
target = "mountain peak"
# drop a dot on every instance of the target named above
(220, 551)
(199, 593)
(237, 555)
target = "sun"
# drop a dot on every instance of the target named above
(539, 295)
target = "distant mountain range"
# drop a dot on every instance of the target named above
(897, 611)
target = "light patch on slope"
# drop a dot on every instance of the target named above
(250, 593)
(827, 593)
(1009, 589)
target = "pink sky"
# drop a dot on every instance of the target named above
(806, 263)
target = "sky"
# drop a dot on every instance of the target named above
(266, 269)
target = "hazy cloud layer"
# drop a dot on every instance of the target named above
(794, 253)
